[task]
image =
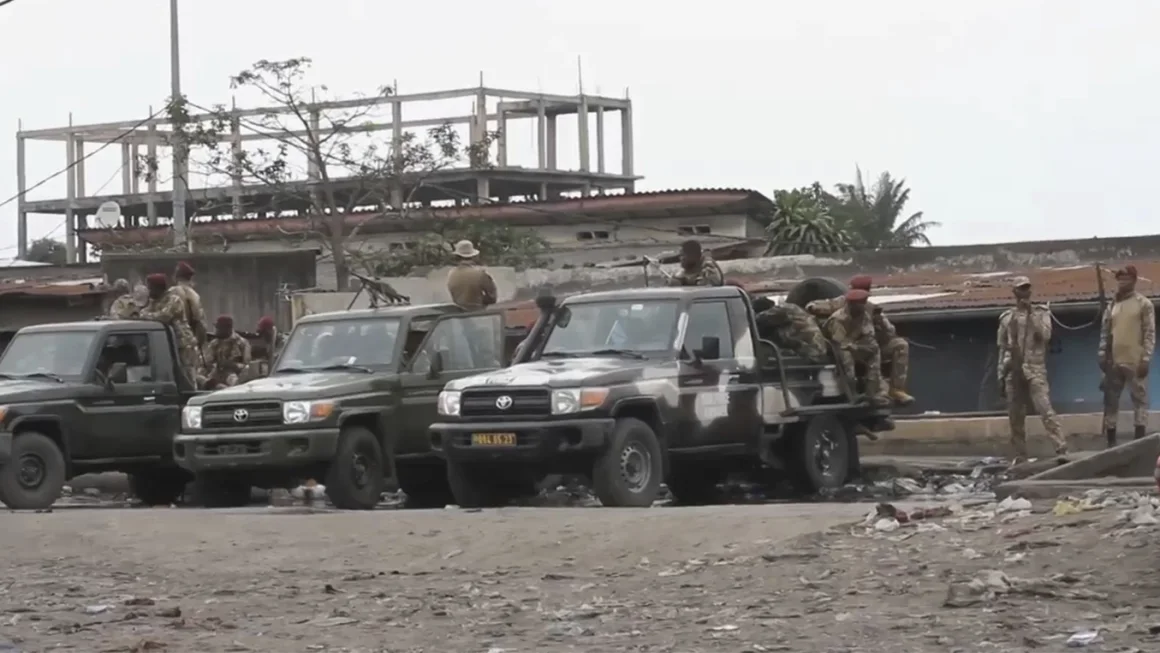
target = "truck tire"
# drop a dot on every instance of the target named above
(628, 473)
(34, 477)
(692, 485)
(356, 478)
(482, 486)
(159, 487)
(220, 490)
(819, 457)
(815, 288)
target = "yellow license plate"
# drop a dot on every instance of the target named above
(493, 439)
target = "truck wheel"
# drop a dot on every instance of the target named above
(478, 486)
(161, 487)
(34, 477)
(628, 473)
(220, 491)
(693, 486)
(819, 458)
(355, 479)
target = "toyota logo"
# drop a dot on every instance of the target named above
(503, 402)
(241, 415)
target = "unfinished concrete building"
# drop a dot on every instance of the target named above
(143, 204)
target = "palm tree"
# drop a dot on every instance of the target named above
(800, 223)
(871, 216)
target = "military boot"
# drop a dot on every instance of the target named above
(1111, 435)
(898, 374)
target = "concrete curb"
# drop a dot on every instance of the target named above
(1030, 489)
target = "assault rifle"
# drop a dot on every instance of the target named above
(1107, 361)
(381, 292)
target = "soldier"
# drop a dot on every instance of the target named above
(227, 355)
(697, 267)
(168, 307)
(793, 328)
(124, 307)
(272, 341)
(194, 312)
(1127, 339)
(469, 284)
(1024, 333)
(852, 328)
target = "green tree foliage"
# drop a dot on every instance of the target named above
(873, 217)
(499, 245)
(46, 250)
(801, 224)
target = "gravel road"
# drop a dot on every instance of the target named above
(722, 578)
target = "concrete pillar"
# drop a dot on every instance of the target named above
(600, 140)
(397, 155)
(126, 169)
(482, 190)
(541, 136)
(235, 167)
(543, 191)
(135, 164)
(313, 165)
(550, 137)
(501, 139)
(80, 167)
(21, 214)
(70, 245)
(151, 185)
(582, 131)
(626, 141)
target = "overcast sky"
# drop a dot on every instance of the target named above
(1010, 119)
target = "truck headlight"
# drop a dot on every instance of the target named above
(301, 412)
(191, 417)
(574, 400)
(448, 403)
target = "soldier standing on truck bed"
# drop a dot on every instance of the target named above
(469, 284)
(168, 307)
(271, 340)
(1127, 340)
(852, 328)
(1024, 333)
(227, 355)
(124, 307)
(697, 267)
(194, 312)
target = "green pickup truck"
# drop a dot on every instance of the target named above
(347, 402)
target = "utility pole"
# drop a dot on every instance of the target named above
(180, 154)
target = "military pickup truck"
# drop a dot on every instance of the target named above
(348, 402)
(638, 387)
(85, 397)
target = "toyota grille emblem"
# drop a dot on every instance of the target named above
(241, 415)
(503, 402)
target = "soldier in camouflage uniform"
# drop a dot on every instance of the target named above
(697, 267)
(1024, 333)
(226, 356)
(791, 327)
(193, 308)
(894, 349)
(271, 341)
(168, 307)
(124, 307)
(851, 327)
(1127, 340)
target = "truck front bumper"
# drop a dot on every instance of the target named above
(537, 441)
(242, 451)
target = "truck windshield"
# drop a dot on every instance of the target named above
(61, 354)
(636, 326)
(366, 343)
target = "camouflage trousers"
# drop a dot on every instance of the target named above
(896, 361)
(809, 344)
(1027, 388)
(1114, 382)
(190, 361)
(221, 379)
(871, 360)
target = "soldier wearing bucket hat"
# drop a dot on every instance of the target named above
(1024, 333)
(469, 284)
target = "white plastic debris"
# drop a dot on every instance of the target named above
(886, 525)
(1011, 504)
(1083, 638)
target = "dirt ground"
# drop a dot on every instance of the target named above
(784, 577)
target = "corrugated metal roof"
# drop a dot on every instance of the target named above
(59, 289)
(653, 203)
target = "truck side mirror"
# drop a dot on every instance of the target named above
(436, 367)
(710, 348)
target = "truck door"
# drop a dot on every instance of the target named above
(130, 419)
(718, 401)
(468, 344)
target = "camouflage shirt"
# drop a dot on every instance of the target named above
(228, 355)
(1023, 337)
(884, 330)
(707, 273)
(193, 309)
(124, 307)
(170, 309)
(850, 332)
(1134, 307)
(790, 326)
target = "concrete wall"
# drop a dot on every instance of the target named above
(246, 287)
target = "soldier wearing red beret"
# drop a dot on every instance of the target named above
(226, 356)
(851, 327)
(168, 307)
(194, 311)
(1127, 340)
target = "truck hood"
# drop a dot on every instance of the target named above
(570, 373)
(28, 390)
(313, 385)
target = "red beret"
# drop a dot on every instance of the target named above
(225, 322)
(1127, 271)
(266, 322)
(857, 295)
(861, 282)
(157, 279)
(184, 270)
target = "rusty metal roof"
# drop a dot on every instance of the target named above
(665, 203)
(61, 289)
